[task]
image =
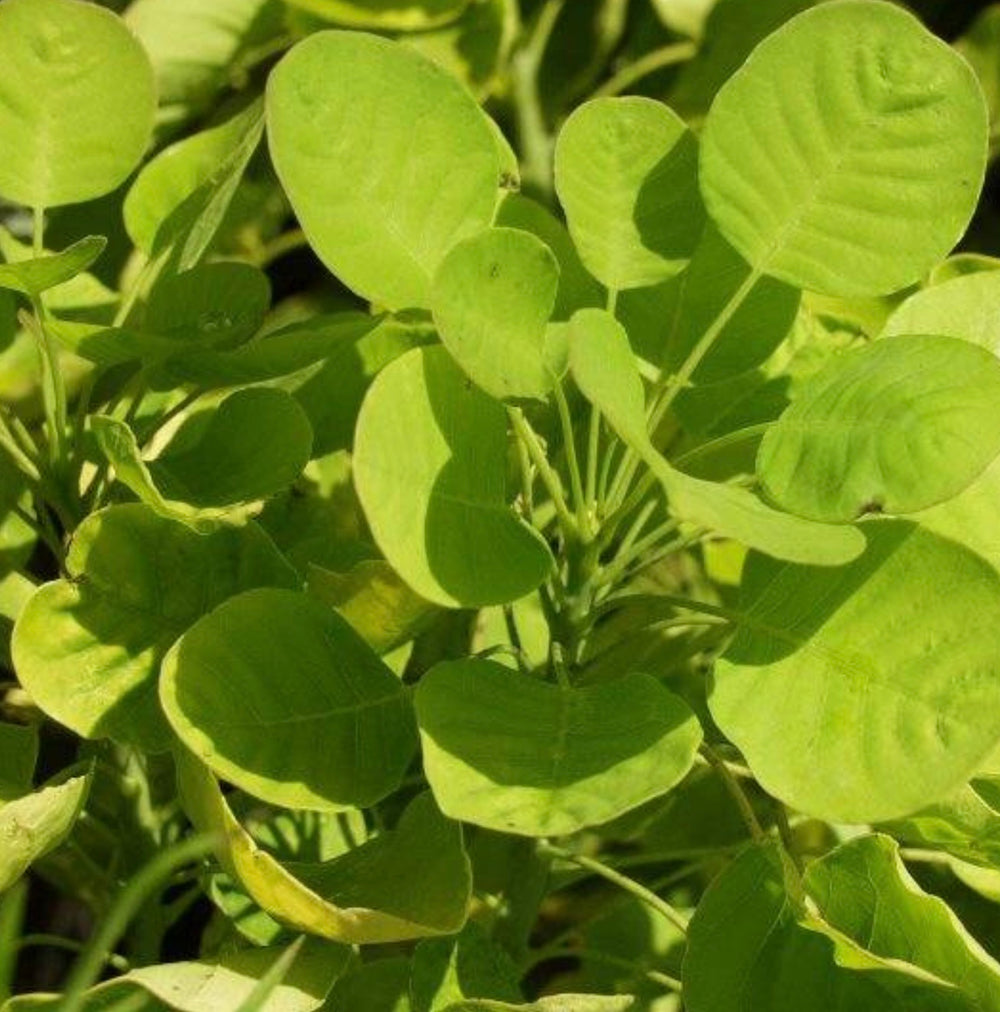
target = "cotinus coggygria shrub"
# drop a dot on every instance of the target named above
(499, 506)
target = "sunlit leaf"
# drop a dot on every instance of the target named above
(362, 132)
(626, 174)
(429, 466)
(88, 648)
(76, 101)
(846, 156)
(880, 715)
(892, 427)
(511, 752)
(259, 732)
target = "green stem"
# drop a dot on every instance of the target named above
(130, 901)
(639, 891)
(722, 442)
(549, 477)
(596, 956)
(9, 443)
(13, 904)
(287, 242)
(672, 385)
(43, 531)
(579, 498)
(559, 666)
(115, 961)
(527, 481)
(737, 793)
(666, 56)
(533, 134)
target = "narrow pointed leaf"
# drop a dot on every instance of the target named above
(260, 732)
(491, 298)
(429, 466)
(626, 174)
(894, 427)
(363, 132)
(880, 716)
(76, 101)
(88, 648)
(516, 754)
(33, 825)
(34, 276)
(847, 154)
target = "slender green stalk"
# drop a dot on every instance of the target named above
(579, 498)
(559, 666)
(527, 482)
(533, 134)
(130, 901)
(736, 791)
(43, 531)
(672, 385)
(706, 449)
(639, 891)
(596, 956)
(549, 477)
(593, 455)
(41, 940)
(9, 443)
(13, 904)
(673, 600)
(666, 56)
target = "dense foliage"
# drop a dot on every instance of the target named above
(498, 506)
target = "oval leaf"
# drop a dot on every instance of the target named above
(492, 298)
(967, 307)
(429, 463)
(880, 715)
(626, 175)
(259, 732)
(892, 427)
(364, 132)
(847, 154)
(76, 101)
(513, 753)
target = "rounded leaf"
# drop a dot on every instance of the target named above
(386, 159)
(877, 714)
(254, 685)
(891, 427)
(430, 461)
(847, 154)
(88, 648)
(76, 101)
(626, 171)
(519, 755)
(492, 298)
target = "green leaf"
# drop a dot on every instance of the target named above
(513, 753)
(385, 15)
(471, 965)
(626, 175)
(258, 732)
(756, 328)
(891, 427)
(847, 154)
(253, 445)
(381, 985)
(865, 875)
(18, 753)
(363, 132)
(577, 288)
(88, 648)
(410, 882)
(34, 276)
(76, 101)
(751, 945)
(197, 49)
(33, 825)
(217, 305)
(179, 199)
(605, 370)
(377, 604)
(320, 339)
(880, 715)
(964, 307)
(430, 457)
(226, 983)
(551, 1003)
(492, 298)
